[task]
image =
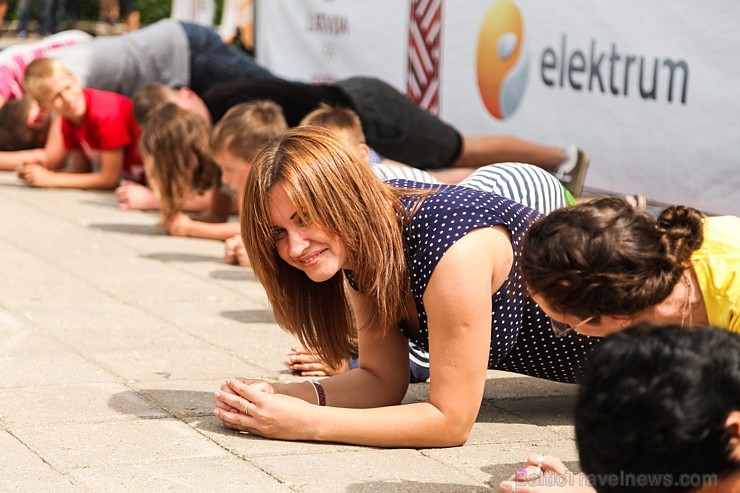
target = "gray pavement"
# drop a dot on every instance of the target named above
(113, 337)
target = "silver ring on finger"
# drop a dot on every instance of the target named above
(540, 459)
(513, 487)
(246, 408)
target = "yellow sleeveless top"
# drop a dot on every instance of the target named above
(717, 267)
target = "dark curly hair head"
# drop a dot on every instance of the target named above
(655, 401)
(606, 258)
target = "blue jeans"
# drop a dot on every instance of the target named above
(24, 8)
(51, 13)
(213, 62)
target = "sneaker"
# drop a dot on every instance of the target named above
(637, 201)
(573, 178)
(22, 35)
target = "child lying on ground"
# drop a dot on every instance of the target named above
(99, 134)
(179, 161)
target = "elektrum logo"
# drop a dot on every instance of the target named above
(502, 61)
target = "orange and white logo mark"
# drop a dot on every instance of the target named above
(502, 61)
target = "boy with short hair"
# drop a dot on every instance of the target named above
(240, 134)
(98, 129)
(347, 125)
(24, 126)
(658, 411)
(524, 183)
(234, 149)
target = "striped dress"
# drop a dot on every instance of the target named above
(523, 183)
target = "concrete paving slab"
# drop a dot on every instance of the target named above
(503, 385)
(181, 398)
(19, 266)
(64, 290)
(130, 230)
(160, 290)
(82, 403)
(211, 314)
(60, 368)
(199, 264)
(262, 345)
(251, 446)
(106, 268)
(491, 463)
(495, 425)
(183, 361)
(365, 467)
(23, 470)
(116, 316)
(91, 445)
(553, 411)
(213, 475)
(14, 329)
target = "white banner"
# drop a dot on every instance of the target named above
(648, 88)
(325, 40)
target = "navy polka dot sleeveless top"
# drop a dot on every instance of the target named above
(522, 340)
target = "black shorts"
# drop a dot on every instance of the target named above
(399, 129)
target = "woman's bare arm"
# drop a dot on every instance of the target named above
(458, 301)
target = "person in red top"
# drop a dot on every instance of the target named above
(100, 136)
(108, 125)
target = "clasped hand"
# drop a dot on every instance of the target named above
(256, 407)
(35, 175)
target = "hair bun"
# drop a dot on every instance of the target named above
(682, 230)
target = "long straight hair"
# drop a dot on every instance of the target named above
(177, 159)
(331, 187)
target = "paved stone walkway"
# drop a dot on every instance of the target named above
(113, 337)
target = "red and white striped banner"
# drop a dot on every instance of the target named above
(424, 61)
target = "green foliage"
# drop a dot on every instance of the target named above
(151, 10)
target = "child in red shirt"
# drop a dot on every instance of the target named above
(100, 135)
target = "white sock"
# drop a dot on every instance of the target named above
(571, 158)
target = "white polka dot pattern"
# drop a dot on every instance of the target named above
(521, 337)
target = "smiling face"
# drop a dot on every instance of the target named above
(63, 94)
(308, 248)
(600, 327)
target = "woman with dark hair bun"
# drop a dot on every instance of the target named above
(601, 266)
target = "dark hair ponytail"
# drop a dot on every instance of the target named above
(681, 229)
(606, 258)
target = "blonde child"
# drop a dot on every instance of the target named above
(523, 183)
(99, 134)
(235, 140)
